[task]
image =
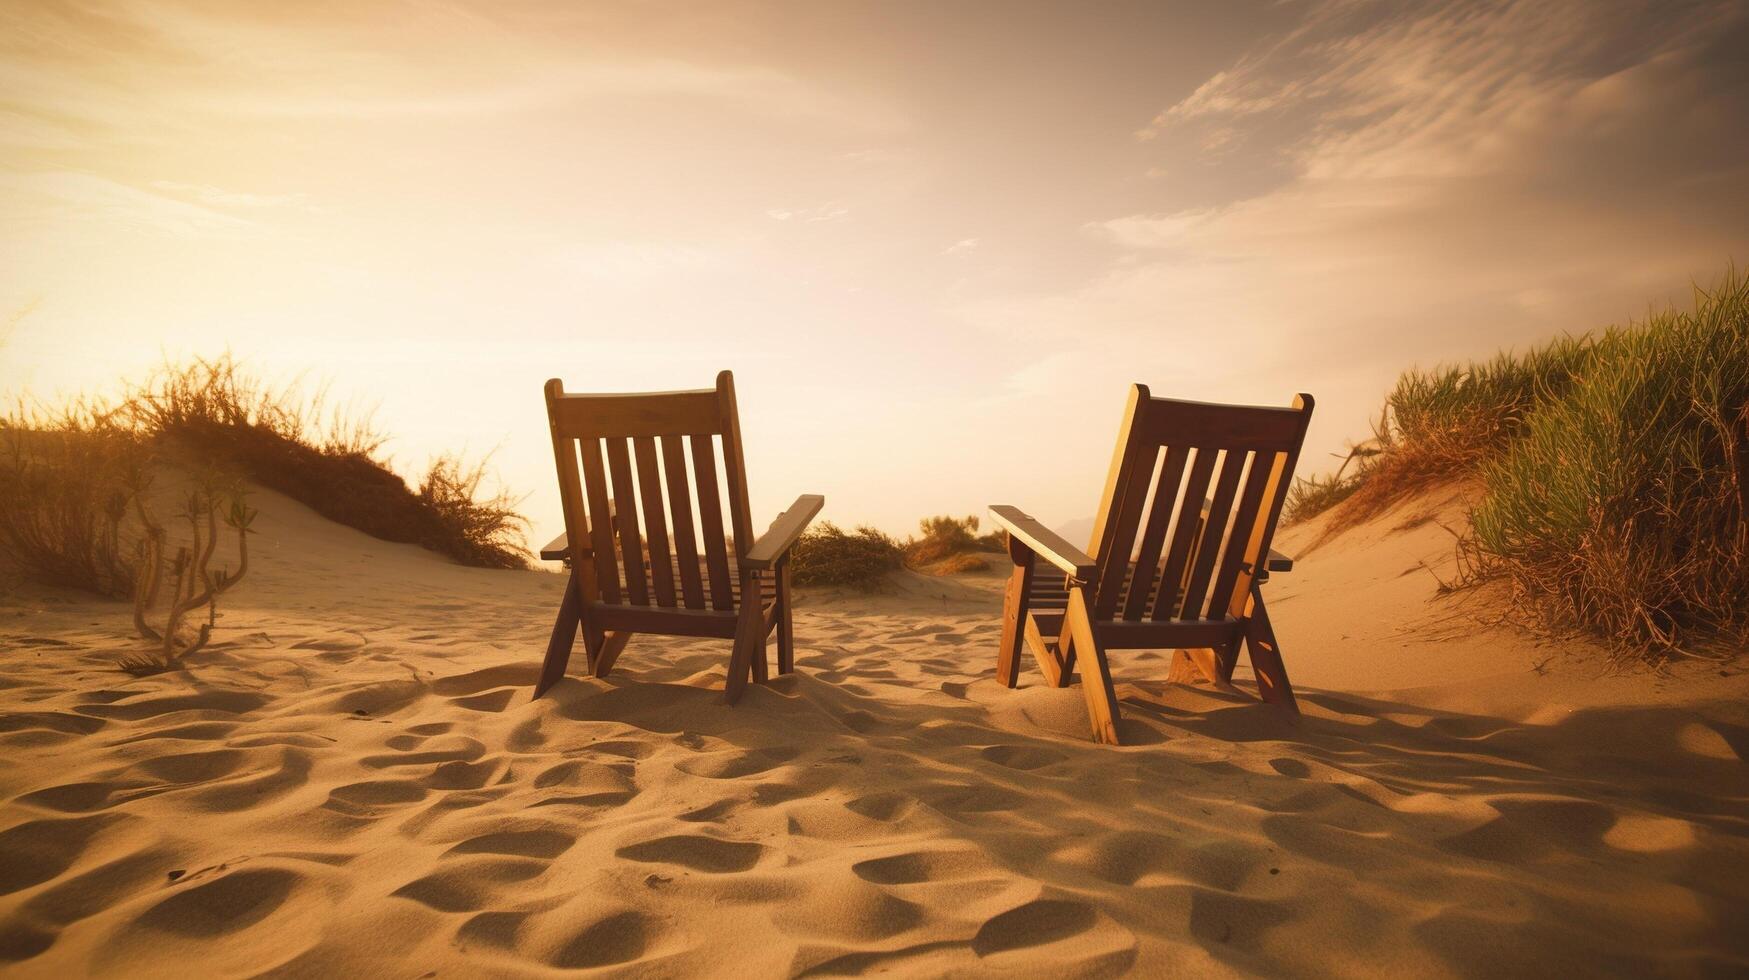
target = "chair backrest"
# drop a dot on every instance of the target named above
(653, 454)
(1169, 454)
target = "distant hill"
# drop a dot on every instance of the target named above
(1076, 531)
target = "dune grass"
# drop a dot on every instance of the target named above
(944, 540)
(1614, 470)
(68, 476)
(828, 555)
(68, 479)
(862, 559)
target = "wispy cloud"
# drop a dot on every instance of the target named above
(1438, 181)
(67, 196)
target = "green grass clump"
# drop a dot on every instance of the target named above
(1614, 471)
(827, 555)
(1313, 495)
(1621, 505)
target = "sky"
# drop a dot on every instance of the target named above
(934, 241)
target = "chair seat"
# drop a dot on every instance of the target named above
(1050, 588)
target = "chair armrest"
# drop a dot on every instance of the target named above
(1278, 562)
(783, 532)
(559, 549)
(1044, 542)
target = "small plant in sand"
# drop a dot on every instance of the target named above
(65, 480)
(828, 555)
(950, 545)
(193, 584)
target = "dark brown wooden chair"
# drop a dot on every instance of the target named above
(632, 577)
(1169, 566)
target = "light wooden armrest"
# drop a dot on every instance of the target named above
(557, 550)
(783, 532)
(1044, 542)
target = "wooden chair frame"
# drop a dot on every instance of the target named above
(615, 590)
(1167, 567)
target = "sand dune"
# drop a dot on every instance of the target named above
(353, 781)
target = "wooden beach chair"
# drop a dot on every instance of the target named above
(650, 576)
(1171, 564)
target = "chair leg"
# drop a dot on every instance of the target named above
(1048, 663)
(1014, 618)
(749, 636)
(1191, 666)
(1096, 684)
(786, 630)
(1272, 682)
(612, 642)
(563, 639)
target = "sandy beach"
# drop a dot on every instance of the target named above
(353, 781)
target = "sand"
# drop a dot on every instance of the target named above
(353, 781)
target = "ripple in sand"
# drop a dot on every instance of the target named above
(915, 867)
(697, 852)
(518, 843)
(38, 850)
(222, 905)
(618, 938)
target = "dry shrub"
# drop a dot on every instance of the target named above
(67, 480)
(326, 460)
(67, 476)
(828, 555)
(941, 538)
(963, 562)
(482, 532)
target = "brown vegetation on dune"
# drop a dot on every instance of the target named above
(828, 555)
(71, 478)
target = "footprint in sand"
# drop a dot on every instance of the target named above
(222, 905)
(470, 885)
(697, 852)
(624, 748)
(39, 850)
(618, 938)
(368, 798)
(885, 807)
(918, 867)
(1022, 757)
(224, 702)
(518, 843)
(733, 765)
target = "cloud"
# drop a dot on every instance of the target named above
(1424, 183)
(63, 197)
(825, 212)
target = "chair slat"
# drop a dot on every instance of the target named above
(1132, 492)
(655, 519)
(1184, 531)
(625, 499)
(1244, 532)
(680, 506)
(570, 487)
(600, 520)
(1220, 514)
(710, 516)
(1154, 537)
